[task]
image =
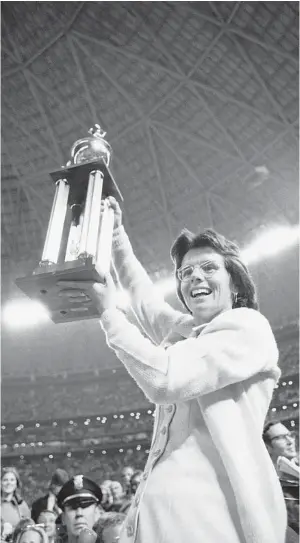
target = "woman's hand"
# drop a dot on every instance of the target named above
(112, 202)
(102, 294)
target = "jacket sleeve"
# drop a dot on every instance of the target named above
(154, 315)
(234, 347)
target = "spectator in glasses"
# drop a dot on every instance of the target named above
(281, 442)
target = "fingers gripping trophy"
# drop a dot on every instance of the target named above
(79, 234)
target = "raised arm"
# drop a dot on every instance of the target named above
(156, 317)
(234, 347)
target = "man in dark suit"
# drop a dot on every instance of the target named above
(281, 444)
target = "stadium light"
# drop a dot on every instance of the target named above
(271, 243)
(24, 313)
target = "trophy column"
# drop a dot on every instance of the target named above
(56, 223)
(103, 255)
(97, 228)
(91, 215)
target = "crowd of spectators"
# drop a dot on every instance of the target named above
(46, 400)
(97, 428)
(43, 515)
(36, 402)
(35, 472)
(33, 506)
(96, 432)
(46, 428)
(37, 397)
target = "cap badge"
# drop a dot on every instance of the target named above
(78, 482)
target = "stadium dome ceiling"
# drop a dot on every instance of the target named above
(200, 104)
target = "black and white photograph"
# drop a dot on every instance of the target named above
(150, 272)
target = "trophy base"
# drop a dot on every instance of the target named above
(42, 286)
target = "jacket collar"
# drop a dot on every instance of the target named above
(13, 500)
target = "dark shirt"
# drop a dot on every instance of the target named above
(291, 497)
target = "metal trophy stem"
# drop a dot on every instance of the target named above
(56, 223)
(105, 239)
(91, 218)
(79, 235)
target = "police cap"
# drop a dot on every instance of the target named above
(79, 491)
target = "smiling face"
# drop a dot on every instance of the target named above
(207, 288)
(9, 483)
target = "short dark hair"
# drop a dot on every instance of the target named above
(267, 427)
(238, 271)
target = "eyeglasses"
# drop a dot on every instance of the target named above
(285, 437)
(207, 268)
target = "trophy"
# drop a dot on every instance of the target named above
(79, 235)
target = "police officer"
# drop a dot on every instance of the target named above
(80, 500)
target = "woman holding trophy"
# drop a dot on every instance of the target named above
(211, 372)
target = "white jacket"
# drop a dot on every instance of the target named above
(229, 366)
